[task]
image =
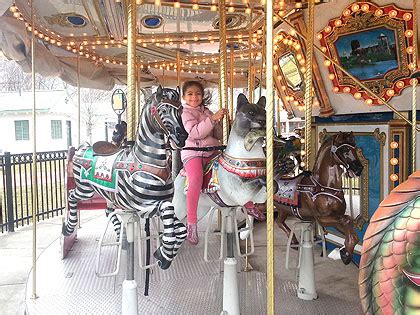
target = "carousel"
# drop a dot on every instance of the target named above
(345, 186)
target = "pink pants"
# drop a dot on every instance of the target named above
(195, 170)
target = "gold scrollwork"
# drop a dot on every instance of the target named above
(322, 135)
(379, 136)
(62, 19)
(363, 217)
(354, 24)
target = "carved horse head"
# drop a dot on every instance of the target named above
(163, 112)
(343, 150)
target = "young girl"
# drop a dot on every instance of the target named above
(204, 130)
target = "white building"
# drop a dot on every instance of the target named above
(56, 121)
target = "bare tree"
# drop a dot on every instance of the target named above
(89, 100)
(12, 78)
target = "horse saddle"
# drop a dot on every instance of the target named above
(210, 177)
(104, 148)
(287, 192)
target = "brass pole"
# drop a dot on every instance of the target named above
(250, 66)
(355, 80)
(263, 49)
(414, 100)
(231, 64)
(131, 69)
(269, 146)
(223, 62)
(308, 84)
(138, 94)
(34, 165)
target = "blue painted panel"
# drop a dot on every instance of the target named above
(356, 118)
(372, 151)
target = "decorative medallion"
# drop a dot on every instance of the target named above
(151, 21)
(374, 45)
(232, 20)
(67, 20)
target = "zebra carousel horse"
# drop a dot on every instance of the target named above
(240, 168)
(138, 179)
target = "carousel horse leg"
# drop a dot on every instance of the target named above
(165, 253)
(281, 223)
(75, 195)
(109, 211)
(230, 281)
(344, 224)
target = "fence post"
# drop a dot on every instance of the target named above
(9, 192)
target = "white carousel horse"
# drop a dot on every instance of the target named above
(241, 167)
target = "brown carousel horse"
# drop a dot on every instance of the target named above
(318, 195)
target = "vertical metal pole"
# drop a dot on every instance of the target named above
(269, 132)
(263, 59)
(414, 100)
(78, 101)
(232, 68)
(222, 62)
(278, 109)
(308, 84)
(131, 69)
(178, 67)
(78, 122)
(250, 66)
(34, 165)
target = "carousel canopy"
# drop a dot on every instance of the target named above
(93, 35)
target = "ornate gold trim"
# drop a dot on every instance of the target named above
(322, 135)
(379, 136)
(361, 17)
(363, 217)
(61, 19)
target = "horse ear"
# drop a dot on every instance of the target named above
(159, 93)
(261, 102)
(339, 137)
(178, 90)
(242, 100)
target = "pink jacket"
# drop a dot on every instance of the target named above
(202, 132)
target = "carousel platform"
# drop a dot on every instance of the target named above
(189, 286)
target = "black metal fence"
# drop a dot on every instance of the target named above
(16, 187)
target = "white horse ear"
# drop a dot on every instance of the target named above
(261, 102)
(242, 100)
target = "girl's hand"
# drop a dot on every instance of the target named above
(216, 117)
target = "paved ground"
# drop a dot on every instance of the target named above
(16, 260)
(332, 277)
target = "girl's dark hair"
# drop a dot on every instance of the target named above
(206, 96)
(189, 84)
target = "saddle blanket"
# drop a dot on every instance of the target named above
(287, 192)
(100, 170)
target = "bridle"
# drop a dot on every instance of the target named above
(334, 150)
(155, 113)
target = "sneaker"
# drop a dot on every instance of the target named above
(192, 234)
(253, 211)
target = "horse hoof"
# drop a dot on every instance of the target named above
(345, 256)
(163, 263)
